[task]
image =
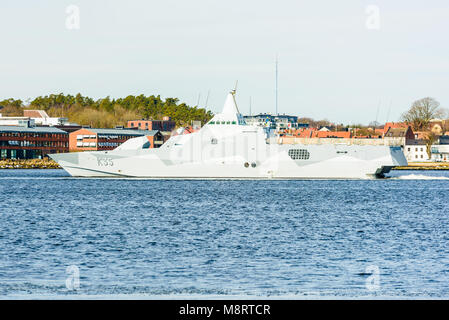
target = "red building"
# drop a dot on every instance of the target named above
(314, 133)
(18, 142)
(162, 125)
(90, 139)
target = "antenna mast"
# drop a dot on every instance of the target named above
(250, 106)
(377, 113)
(276, 84)
(207, 98)
(235, 88)
(389, 110)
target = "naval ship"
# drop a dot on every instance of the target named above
(228, 148)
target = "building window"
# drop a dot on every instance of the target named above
(409, 149)
(299, 154)
(213, 141)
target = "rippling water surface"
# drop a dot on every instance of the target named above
(153, 238)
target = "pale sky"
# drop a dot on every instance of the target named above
(331, 65)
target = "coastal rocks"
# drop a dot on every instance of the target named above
(28, 164)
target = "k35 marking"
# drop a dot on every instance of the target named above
(104, 162)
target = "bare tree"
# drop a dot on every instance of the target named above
(430, 138)
(421, 112)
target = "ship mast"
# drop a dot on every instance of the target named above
(276, 85)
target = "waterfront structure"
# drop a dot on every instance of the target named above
(285, 122)
(278, 122)
(166, 124)
(226, 147)
(41, 118)
(93, 139)
(415, 150)
(259, 120)
(16, 121)
(440, 151)
(23, 142)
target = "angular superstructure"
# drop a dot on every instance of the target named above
(227, 148)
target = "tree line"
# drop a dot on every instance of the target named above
(107, 112)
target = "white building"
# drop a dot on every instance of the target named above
(41, 118)
(16, 121)
(415, 151)
(440, 153)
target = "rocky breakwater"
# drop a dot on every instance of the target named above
(28, 164)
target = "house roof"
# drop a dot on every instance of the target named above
(35, 113)
(313, 133)
(31, 129)
(306, 133)
(416, 142)
(394, 125)
(420, 134)
(333, 134)
(129, 132)
(396, 132)
(124, 132)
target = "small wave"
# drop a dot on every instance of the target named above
(420, 177)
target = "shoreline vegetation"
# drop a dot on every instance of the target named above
(51, 164)
(108, 112)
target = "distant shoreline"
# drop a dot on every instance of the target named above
(10, 164)
(424, 166)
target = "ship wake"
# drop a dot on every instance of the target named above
(420, 177)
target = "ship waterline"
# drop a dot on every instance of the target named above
(227, 148)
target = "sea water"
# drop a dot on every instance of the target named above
(77, 237)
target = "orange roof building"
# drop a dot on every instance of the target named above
(394, 125)
(333, 134)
